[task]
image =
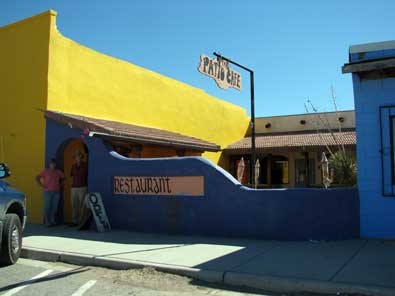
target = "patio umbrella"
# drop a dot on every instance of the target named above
(240, 170)
(326, 179)
(257, 170)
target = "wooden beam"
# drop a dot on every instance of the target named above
(269, 170)
(307, 169)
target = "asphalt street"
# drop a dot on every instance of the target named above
(37, 278)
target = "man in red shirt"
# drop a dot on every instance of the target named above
(79, 173)
(50, 180)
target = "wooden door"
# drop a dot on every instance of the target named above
(69, 151)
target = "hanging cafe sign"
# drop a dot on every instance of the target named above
(220, 71)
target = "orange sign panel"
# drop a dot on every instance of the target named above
(147, 185)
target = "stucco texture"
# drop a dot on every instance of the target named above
(84, 82)
(23, 88)
(377, 210)
(42, 70)
(226, 209)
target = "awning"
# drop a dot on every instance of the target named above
(369, 65)
(296, 141)
(130, 132)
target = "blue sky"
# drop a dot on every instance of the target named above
(296, 48)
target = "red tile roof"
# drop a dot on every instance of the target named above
(130, 132)
(297, 141)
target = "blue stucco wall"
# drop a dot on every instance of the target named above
(372, 55)
(377, 211)
(227, 209)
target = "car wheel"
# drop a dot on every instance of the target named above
(12, 240)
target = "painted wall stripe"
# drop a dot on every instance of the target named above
(84, 288)
(33, 279)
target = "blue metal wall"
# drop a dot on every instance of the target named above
(377, 211)
(227, 209)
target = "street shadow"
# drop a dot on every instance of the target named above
(135, 238)
(127, 237)
(223, 255)
(231, 252)
(45, 279)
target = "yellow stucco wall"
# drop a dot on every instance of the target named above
(23, 90)
(40, 69)
(85, 82)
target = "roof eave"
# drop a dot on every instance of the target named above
(103, 132)
(141, 140)
(285, 148)
(368, 65)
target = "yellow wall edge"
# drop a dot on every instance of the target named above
(23, 93)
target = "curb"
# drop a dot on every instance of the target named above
(266, 283)
(284, 285)
(210, 276)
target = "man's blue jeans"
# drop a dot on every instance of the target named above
(51, 202)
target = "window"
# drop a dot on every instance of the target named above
(300, 172)
(387, 133)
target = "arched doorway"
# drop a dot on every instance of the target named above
(68, 160)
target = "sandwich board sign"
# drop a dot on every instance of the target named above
(221, 72)
(95, 203)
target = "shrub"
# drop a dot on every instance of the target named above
(344, 168)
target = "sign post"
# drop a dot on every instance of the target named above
(226, 77)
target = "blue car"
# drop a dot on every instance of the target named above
(12, 219)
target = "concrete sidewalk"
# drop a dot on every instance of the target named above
(358, 266)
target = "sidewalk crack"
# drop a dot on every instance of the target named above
(252, 258)
(349, 260)
(146, 250)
